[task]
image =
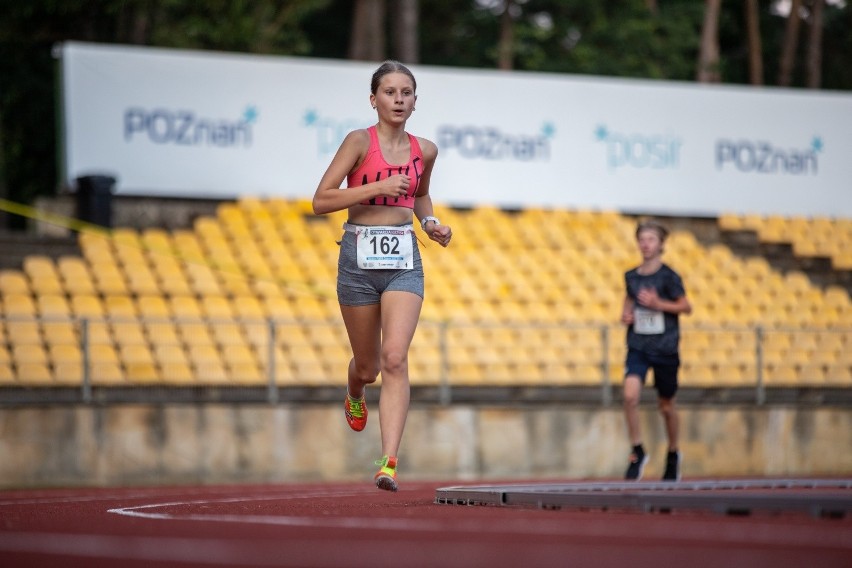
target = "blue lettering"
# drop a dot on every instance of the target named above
(182, 127)
(639, 151)
(491, 144)
(763, 158)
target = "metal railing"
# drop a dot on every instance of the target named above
(444, 355)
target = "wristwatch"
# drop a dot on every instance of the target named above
(425, 220)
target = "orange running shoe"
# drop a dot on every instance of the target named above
(386, 477)
(356, 412)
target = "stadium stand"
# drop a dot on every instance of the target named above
(534, 305)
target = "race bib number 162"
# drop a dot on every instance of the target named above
(387, 248)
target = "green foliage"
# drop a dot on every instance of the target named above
(620, 38)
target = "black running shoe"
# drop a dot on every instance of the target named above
(638, 459)
(672, 472)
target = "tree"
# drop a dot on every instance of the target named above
(505, 49)
(814, 62)
(367, 41)
(755, 54)
(791, 42)
(708, 59)
(405, 31)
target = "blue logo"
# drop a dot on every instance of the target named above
(763, 158)
(329, 132)
(185, 128)
(655, 151)
(490, 143)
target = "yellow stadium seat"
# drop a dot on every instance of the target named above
(131, 354)
(141, 372)
(141, 281)
(75, 274)
(161, 332)
(120, 307)
(237, 354)
(128, 333)
(27, 353)
(7, 376)
(59, 333)
(106, 373)
(174, 285)
(65, 354)
(177, 373)
(194, 333)
(217, 307)
(14, 282)
(23, 332)
(211, 372)
(248, 308)
(811, 374)
(87, 306)
(19, 305)
(5, 356)
(227, 333)
(170, 354)
(47, 284)
(97, 332)
(185, 307)
(53, 306)
(246, 373)
(780, 374)
(34, 373)
(839, 374)
(68, 373)
(102, 353)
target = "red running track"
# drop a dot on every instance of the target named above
(353, 525)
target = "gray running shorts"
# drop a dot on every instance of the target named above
(359, 287)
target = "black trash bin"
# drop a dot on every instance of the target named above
(94, 199)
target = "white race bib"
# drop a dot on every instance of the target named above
(648, 322)
(384, 248)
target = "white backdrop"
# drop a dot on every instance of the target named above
(217, 125)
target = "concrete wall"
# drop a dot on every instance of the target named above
(149, 444)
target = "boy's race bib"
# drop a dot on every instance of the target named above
(648, 322)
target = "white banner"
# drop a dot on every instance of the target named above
(217, 125)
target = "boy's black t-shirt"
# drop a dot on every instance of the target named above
(645, 335)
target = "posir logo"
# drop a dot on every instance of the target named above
(184, 128)
(329, 132)
(764, 158)
(491, 144)
(639, 150)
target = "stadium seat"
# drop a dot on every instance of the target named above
(14, 282)
(29, 353)
(160, 332)
(210, 372)
(103, 353)
(34, 373)
(87, 306)
(120, 307)
(52, 306)
(126, 332)
(176, 373)
(7, 376)
(141, 372)
(164, 354)
(19, 306)
(106, 373)
(23, 332)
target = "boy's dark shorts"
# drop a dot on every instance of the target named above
(665, 370)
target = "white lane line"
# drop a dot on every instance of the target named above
(810, 535)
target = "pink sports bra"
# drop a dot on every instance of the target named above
(375, 168)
